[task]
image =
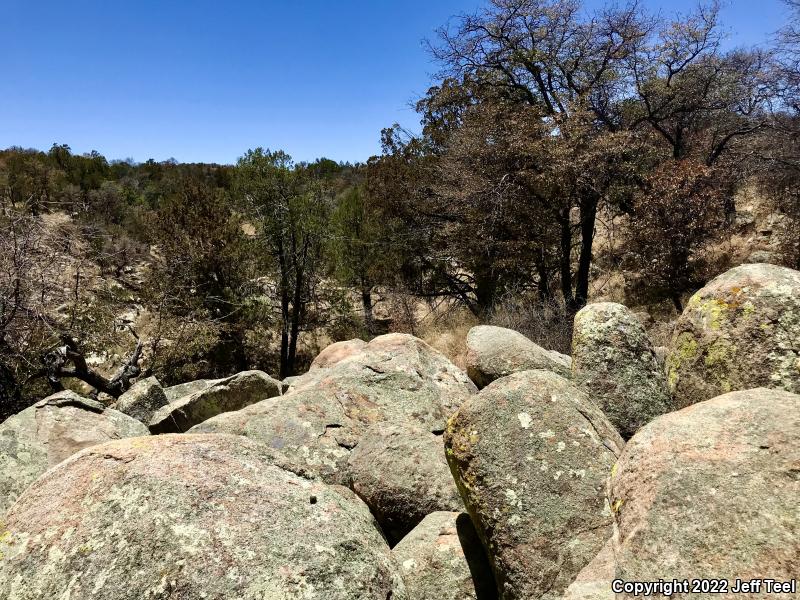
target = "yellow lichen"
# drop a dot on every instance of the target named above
(685, 350)
(718, 353)
(714, 311)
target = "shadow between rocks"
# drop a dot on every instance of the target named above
(479, 567)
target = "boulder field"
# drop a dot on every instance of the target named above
(387, 473)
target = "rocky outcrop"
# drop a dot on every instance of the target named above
(143, 400)
(182, 516)
(712, 491)
(531, 454)
(400, 471)
(442, 559)
(337, 352)
(494, 352)
(614, 361)
(224, 395)
(397, 378)
(51, 430)
(740, 331)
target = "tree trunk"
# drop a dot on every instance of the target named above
(545, 294)
(565, 259)
(485, 291)
(366, 305)
(10, 393)
(285, 321)
(588, 218)
(297, 315)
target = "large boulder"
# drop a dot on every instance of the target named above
(443, 559)
(614, 361)
(711, 491)
(531, 455)
(311, 429)
(143, 400)
(337, 352)
(175, 392)
(185, 516)
(400, 471)
(400, 371)
(494, 352)
(51, 430)
(740, 331)
(396, 378)
(224, 395)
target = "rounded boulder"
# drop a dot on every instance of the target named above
(495, 352)
(190, 516)
(711, 491)
(397, 378)
(739, 332)
(531, 455)
(614, 361)
(400, 471)
(43, 435)
(337, 352)
(443, 559)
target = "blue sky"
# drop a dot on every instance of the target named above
(204, 81)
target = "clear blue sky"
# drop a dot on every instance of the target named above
(203, 81)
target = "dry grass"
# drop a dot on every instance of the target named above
(448, 334)
(544, 323)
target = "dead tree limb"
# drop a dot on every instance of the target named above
(58, 360)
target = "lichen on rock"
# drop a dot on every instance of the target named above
(740, 331)
(614, 362)
(531, 454)
(191, 516)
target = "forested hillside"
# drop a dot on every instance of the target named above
(559, 150)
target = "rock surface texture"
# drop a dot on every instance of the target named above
(740, 331)
(396, 378)
(400, 471)
(531, 455)
(143, 400)
(712, 491)
(494, 352)
(192, 517)
(442, 559)
(51, 430)
(187, 388)
(337, 352)
(224, 395)
(594, 580)
(614, 362)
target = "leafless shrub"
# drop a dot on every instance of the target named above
(546, 323)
